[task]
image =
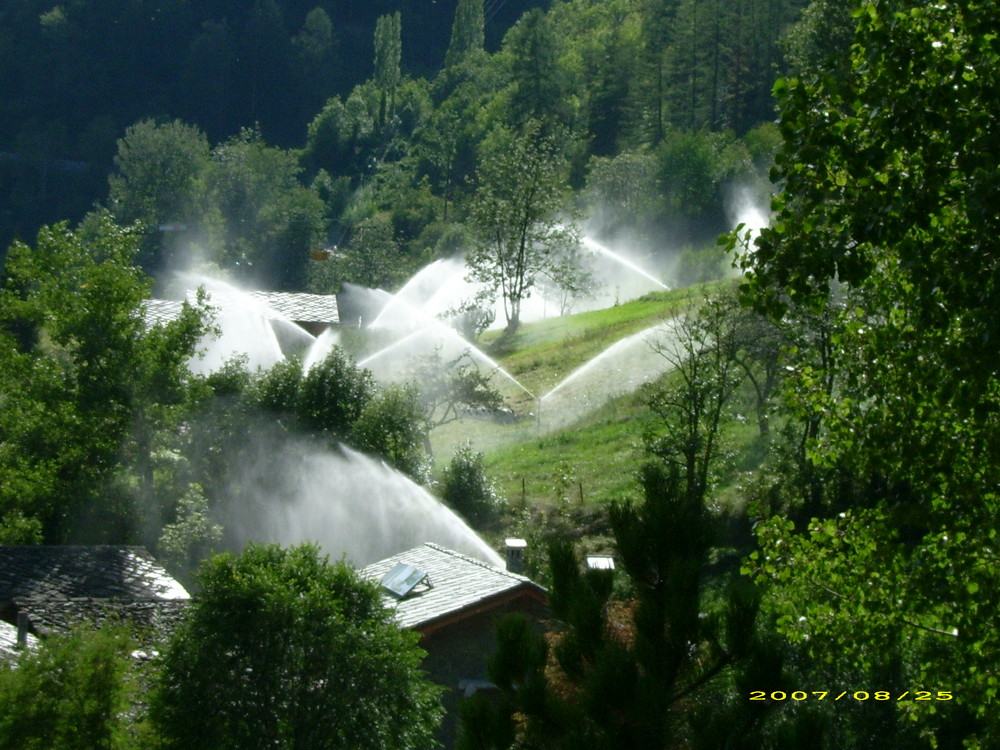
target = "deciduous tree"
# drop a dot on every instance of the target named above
(519, 217)
(467, 31)
(86, 382)
(889, 175)
(284, 650)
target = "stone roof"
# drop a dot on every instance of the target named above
(458, 585)
(295, 306)
(97, 571)
(161, 311)
(301, 307)
(58, 587)
(151, 619)
(8, 641)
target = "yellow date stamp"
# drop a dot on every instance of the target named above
(856, 695)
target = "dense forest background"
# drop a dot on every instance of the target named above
(313, 82)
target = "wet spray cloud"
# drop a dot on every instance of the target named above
(289, 490)
(748, 206)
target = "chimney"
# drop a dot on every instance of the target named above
(22, 630)
(513, 553)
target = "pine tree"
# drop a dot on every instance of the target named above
(630, 672)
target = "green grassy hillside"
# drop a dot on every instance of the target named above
(591, 454)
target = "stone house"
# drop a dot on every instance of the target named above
(50, 589)
(454, 601)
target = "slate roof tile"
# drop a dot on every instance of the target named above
(8, 641)
(301, 307)
(151, 619)
(458, 583)
(295, 306)
(59, 587)
(93, 571)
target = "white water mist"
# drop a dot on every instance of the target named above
(621, 368)
(291, 491)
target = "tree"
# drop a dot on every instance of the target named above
(630, 672)
(539, 89)
(467, 489)
(820, 41)
(86, 382)
(74, 692)
(706, 373)
(391, 426)
(284, 650)
(517, 217)
(622, 194)
(158, 168)
(467, 32)
(388, 50)
(887, 174)
(270, 221)
(658, 29)
(446, 388)
(315, 53)
(191, 537)
(373, 258)
(333, 394)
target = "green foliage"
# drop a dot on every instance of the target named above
(388, 49)
(882, 233)
(472, 317)
(622, 193)
(373, 258)
(617, 74)
(819, 43)
(276, 390)
(626, 673)
(85, 383)
(697, 173)
(17, 528)
(391, 425)
(340, 402)
(520, 234)
(242, 203)
(333, 394)
(158, 181)
(467, 489)
(73, 692)
(270, 221)
(466, 32)
(341, 137)
(157, 168)
(192, 537)
(283, 649)
(448, 388)
(702, 346)
(539, 89)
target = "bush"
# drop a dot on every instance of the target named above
(72, 692)
(390, 427)
(467, 489)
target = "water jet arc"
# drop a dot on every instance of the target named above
(609, 253)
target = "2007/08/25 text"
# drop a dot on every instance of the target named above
(858, 695)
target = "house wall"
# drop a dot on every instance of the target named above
(461, 651)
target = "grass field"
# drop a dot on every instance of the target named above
(592, 454)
